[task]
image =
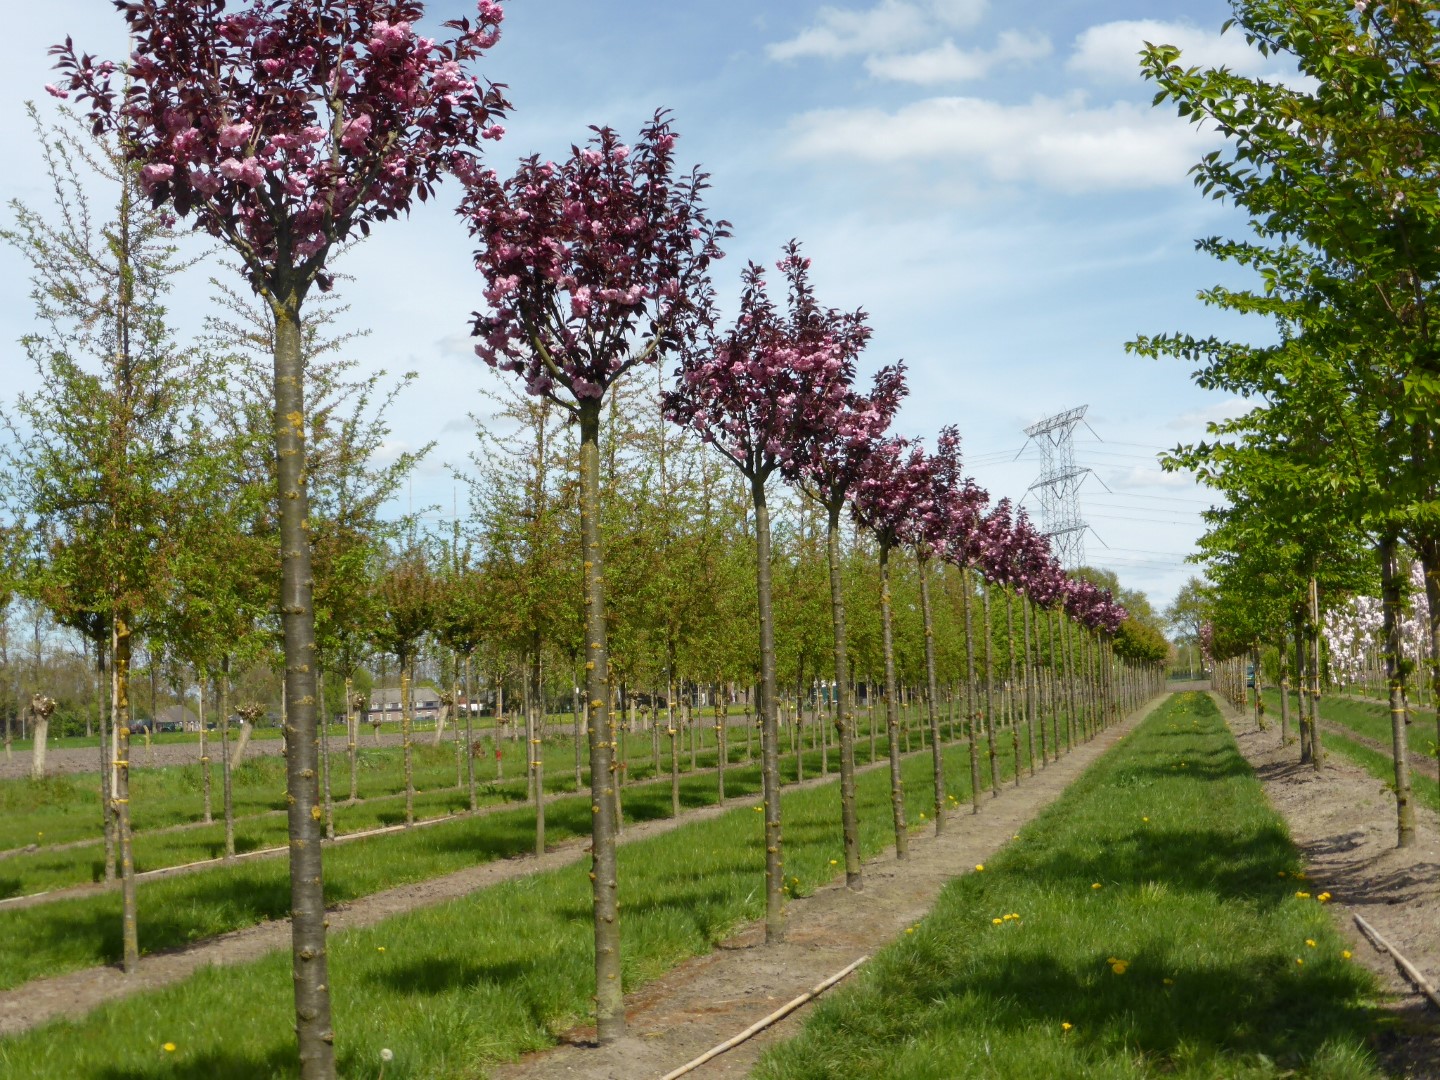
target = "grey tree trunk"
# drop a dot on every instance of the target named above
(1390, 594)
(937, 757)
(314, 1032)
(970, 713)
(609, 993)
(406, 726)
(844, 705)
(1317, 741)
(989, 692)
(892, 708)
(227, 777)
(120, 786)
(769, 723)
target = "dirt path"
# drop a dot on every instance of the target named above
(1343, 821)
(1421, 763)
(706, 1001)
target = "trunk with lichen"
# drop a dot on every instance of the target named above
(309, 959)
(120, 645)
(971, 717)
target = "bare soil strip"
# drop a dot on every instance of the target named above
(1343, 821)
(706, 1001)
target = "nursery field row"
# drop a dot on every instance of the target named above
(1156, 920)
(69, 934)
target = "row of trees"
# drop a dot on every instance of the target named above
(1332, 475)
(284, 129)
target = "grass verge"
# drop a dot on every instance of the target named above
(503, 971)
(1161, 930)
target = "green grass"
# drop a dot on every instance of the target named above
(77, 933)
(63, 809)
(1199, 902)
(485, 978)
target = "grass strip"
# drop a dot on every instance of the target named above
(1153, 921)
(71, 934)
(1368, 718)
(486, 978)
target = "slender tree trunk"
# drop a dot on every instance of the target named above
(470, 736)
(1317, 740)
(722, 740)
(971, 718)
(313, 1029)
(352, 732)
(107, 791)
(407, 725)
(672, 732)
(844, 705)
(1284, 692)
(1429, 550)
(1015, 687)
(990, 691)
(769, 723)
(892, 711)
(120, 645)
(326, 794)
(937, 755)
(537, 743)
(1391, 597)
(1302, 684)
(1031, 713)
(609, 993)
(577, 717)
(209, 812)
(227, 768)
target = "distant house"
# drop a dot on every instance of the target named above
(176, 718)
(385, 705)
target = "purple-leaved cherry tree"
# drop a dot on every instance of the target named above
(759, 392)
(894, 487)
(829, 465)
(284, 128)
(593, 266)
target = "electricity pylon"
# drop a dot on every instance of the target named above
(1058, 485)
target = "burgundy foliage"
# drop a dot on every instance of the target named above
(285, 126)
(774, 384)
(582, 256)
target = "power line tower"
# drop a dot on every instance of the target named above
(1059, 483)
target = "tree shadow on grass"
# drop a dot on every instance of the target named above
(216, 1065)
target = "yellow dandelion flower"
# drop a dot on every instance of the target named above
(379, 948)
(1096, 885)
(1310, 942)
(922, 815)
(997, 922)
(979, 866)
(1302, 896)
(1015, 915)
(1345, 954)
(909, 929)
(1065, 1025)
(1324, 898)
(1299, 961)
(834, 862)
(169, 1048)
(758, 809)
(1119, 966)
(1144, 819)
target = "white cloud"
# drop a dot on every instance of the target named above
(946, 63)
(888, 26)
(1061, 143)
(1111, 51)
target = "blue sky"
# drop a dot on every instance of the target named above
(988, 180)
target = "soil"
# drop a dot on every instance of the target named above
(1343, 821)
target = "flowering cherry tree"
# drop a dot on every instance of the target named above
(284, 128)
(760, 392)
(948, 498)
(894, 488)
(592, 266)
(826, 467)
